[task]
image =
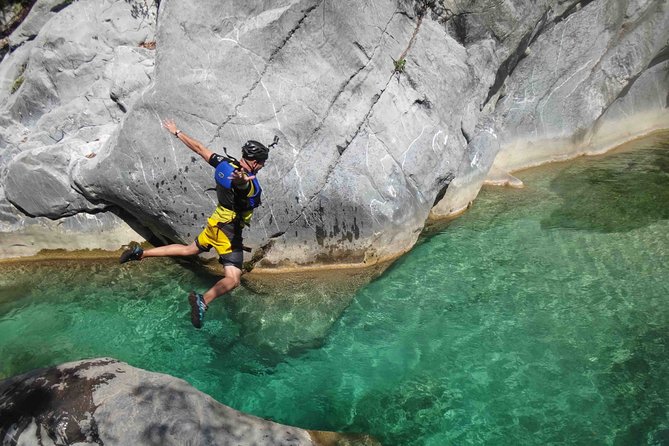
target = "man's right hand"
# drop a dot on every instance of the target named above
(193, 144)
(170, 125)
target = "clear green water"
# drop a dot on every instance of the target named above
(541, 316)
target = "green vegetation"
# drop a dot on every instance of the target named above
(19, 79)
(12, 13)
(399, 64)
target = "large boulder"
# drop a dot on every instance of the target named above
(106, 402)
(586, 77)
(73, 71)
(388, 111)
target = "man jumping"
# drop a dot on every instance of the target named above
(238, 192)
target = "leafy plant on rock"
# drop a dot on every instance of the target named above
(399, 64)
(19, 79)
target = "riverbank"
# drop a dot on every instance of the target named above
(263, 278)
(522, 156)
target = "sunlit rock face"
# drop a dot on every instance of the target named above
(73, 70)
(387, 111)
(105, 401)
(584, 77)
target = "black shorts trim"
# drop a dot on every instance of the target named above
(234, 258)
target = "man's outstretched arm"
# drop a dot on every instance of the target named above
(193, 144)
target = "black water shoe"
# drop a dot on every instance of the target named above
(197, 309)
(134, 253)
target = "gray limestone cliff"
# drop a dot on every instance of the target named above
(389, 112)
(106, 402)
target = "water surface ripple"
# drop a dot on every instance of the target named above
(539, 317)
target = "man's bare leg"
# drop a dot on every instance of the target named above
(137, 253)
(175, 250)
(200, 302)
(228, 283)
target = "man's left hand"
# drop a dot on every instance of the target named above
(239, 176)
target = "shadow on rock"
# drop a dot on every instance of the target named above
(185, 419)
(189, 420)
(57, 402)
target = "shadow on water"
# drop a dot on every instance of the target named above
(279, 316)
(420, 406)
(615, 195)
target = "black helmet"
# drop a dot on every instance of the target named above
(253, 150)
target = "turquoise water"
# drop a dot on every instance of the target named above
(541, 316)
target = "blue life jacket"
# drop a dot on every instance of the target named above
(230, 197)
(223, 172)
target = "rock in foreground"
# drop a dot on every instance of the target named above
(106, 402)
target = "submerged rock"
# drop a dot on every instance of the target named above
(389, 111)
(106, 402)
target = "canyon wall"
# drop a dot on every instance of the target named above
(389, 112)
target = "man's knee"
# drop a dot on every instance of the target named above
(234, 284)
(235, 281)
(234, 275)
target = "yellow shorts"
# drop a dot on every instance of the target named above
(226, 239)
